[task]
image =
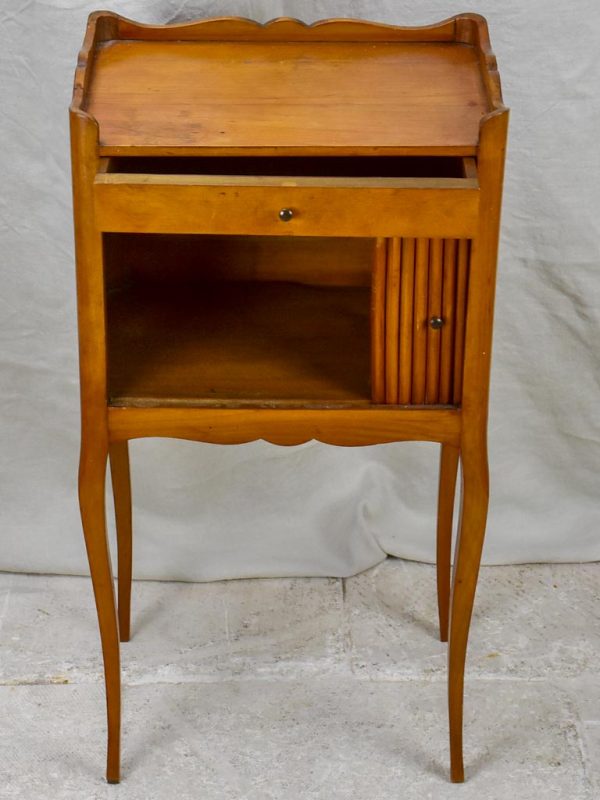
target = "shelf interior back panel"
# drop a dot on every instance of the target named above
(164, 97)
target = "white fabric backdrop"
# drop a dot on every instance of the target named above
(204, 512)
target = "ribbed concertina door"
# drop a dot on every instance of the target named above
(418, 330)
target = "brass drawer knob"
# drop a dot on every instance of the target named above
(436, 323)
(286, 214)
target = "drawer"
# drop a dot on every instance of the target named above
(188, 196)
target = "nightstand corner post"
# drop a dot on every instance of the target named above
(474, 416)
(94, 417)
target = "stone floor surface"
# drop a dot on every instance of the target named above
(305, 688)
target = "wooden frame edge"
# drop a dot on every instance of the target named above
(101, 26)
(343, 427)
(105, 178)
(473, 29)
(482, 277)
(278, 29)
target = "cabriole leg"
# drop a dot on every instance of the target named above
(447, 487)
(92, 475)
(469, 544)
(121, 485)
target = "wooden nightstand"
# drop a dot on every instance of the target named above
(286, 232)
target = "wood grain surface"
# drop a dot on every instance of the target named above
(165, 96)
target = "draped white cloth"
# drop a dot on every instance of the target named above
(204, 512)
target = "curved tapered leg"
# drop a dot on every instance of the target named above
(473, 515)
(121, 485)
(447, 488)
(92, 475)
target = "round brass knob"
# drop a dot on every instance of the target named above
(286, 214)
(436, 323)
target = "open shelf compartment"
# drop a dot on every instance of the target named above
(230, 321)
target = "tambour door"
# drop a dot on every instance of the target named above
(419, 303)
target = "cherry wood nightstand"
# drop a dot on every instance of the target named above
(286, 232)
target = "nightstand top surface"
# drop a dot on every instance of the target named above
(295, 97)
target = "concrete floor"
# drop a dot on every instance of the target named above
(305, 688)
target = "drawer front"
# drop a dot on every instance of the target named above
(178, 204)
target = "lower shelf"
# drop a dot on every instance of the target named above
(235, 343)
